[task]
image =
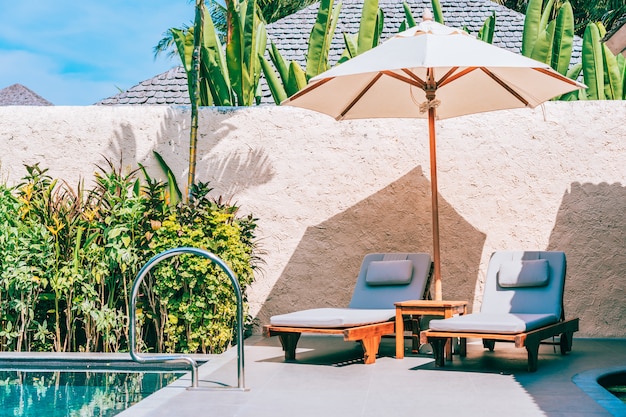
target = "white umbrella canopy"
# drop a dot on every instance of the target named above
(436, 72)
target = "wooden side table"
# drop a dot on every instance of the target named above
(425, 308)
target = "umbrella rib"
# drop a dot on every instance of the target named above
(310, 87)
(414, 80)
(448, 78)
(361, 94)
(505, 86)
(556, 75)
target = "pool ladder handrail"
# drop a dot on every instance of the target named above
(179, 357)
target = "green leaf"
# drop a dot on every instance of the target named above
(214, 67)
(350, 40)
(621, 63)
(297, 78)
(574, 72)
(174, 191)
(532, 26)
(368, 26)
(437, 14)
(279, 62)
(248, 41)
(184, 45)
(593, 62)
(563, 39)
(486, 32)
(614, 82)
(542, 51)
(236, 49)
(273, 82)
(380, 25)
(545, 15)
(321, 38)
(410, 20)
(196, 93)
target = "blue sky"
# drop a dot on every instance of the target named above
(77, 52)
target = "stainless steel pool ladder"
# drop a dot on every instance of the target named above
(184, 358)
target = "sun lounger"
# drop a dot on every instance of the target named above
(522, 303)
(383, 280)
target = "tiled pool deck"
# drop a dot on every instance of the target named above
(328, 380)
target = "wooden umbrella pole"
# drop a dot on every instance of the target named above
(435, 203)
(430, 88)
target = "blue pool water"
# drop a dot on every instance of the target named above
(83, 393)
(615, 383)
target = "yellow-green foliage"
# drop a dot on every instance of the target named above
(69, 259)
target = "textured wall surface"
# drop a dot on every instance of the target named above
(326, 192)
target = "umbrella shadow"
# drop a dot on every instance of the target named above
(591, 229)
(323, 268)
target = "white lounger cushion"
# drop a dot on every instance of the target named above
(332, 317)
(493, 323)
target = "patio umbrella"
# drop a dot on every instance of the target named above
(431, 71)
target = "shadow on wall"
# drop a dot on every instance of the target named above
(591, 229)
(237, 172)
(124, 149)
(323, 268)
(227, 175)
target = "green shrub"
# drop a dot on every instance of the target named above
(69, 259)
(196, 308)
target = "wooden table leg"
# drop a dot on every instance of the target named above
(399, 334)
(448, 349)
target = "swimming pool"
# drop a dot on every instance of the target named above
(49, 386)
(76, 393)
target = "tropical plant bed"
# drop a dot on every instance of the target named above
(69, 257)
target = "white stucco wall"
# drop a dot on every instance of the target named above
(326, 192)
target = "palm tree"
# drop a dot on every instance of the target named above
(271, 10)
(194, 95)
(606, 11)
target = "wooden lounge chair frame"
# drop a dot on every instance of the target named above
(369, 335)
(530, 339)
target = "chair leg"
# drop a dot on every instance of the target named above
(370, 348)
(566, 342)
(289, 342)
(533, 355)
(489, 344)
(438, 344)
(415, 334)
(462, 347)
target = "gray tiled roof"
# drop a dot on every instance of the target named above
(18, 95)
(291, 35)
(168, 88)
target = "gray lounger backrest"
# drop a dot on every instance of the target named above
(525, 282)
(382, 280)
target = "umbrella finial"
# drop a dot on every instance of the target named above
(427, 15)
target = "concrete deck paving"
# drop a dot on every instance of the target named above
(329, 379)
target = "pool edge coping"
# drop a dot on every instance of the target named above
(587, 381)
(145, 407)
